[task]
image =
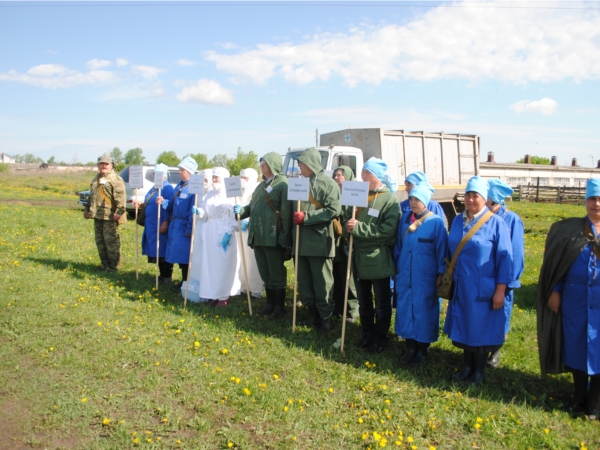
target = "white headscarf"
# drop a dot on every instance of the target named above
(220, 172)
(208, 181)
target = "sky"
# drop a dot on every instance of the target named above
(79, 78)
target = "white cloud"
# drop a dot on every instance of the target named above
(514, 45)
(53, 76)
(227, 45)
(97, 63)
(186, 62)
(121, 62)
(140, 91)
(546, 106)
(148, 72)
(208, 92)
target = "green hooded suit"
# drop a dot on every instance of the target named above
(340, 264)
(317, 242)
(268, 236)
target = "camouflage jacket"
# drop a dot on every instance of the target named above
(107, 197)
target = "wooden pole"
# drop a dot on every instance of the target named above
(348, 273)
(157, 239)
(296, 269)
(137, 238)
(537, 191)
(187, 282)
(244, 261)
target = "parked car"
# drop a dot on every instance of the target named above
(173, 178)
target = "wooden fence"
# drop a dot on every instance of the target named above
(550, 194)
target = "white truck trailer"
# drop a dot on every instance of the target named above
(448, 160)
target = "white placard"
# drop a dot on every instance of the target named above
(355, 193)
(136, 177)
(298, 189)
(158, 179)
(233, 187)
(196, 185)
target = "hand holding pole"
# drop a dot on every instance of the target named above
(157, 240)
(348, 273)
(137, 238)
(244, 260)
(296, 269)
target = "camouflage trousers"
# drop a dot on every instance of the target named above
(108, 242)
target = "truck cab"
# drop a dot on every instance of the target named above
(332, 157)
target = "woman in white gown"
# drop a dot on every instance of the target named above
(249, 183)
(216, 260)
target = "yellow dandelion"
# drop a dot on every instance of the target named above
(275, 376)
(196, 344)
(230, 444)
(106, 421)
(247, 391)
(477, 426)
(83, 400)
(224, 351)
(331, 390)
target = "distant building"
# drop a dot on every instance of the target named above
(551, 174)
(4, 158)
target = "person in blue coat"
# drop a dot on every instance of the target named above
(421, 246)
(498, 191)
(151, 228)
(180, 210)
(571, 275)
(410, 182)
(475, 318)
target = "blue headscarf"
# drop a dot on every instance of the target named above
(188, 163)
(479, 185)
(376, 166)
(422, 191)
(498, 191)
(592, 188)
(416, 177)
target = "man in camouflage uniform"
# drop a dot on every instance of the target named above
(107, 207)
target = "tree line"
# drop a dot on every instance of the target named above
(135, 157)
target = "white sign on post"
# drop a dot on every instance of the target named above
(158, 179)
(136, 177)
(298, 189)
(233, 187)
(355, 193)
(196, 185)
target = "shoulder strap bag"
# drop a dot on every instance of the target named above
(445, 289)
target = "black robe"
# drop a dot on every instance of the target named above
(564, 243)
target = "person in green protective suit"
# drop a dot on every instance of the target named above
(316, 240)
(270, 231)
(374, 230)
(340, 261)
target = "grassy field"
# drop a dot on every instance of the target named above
(102, 361)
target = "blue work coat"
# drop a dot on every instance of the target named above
(517, 237)
(180, 228)
(150, 218)
(580, 308)
(419, 258)
(484, 262)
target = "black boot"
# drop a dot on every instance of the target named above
(270, 306)
(478, 375)
(467, 367)
(494, 359)
(411, 349)
(578, 402)
(325, 326)
(421, 355)
(592, 409)
(313, 319)
(279, 301)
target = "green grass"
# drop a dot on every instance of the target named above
(104, 361)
